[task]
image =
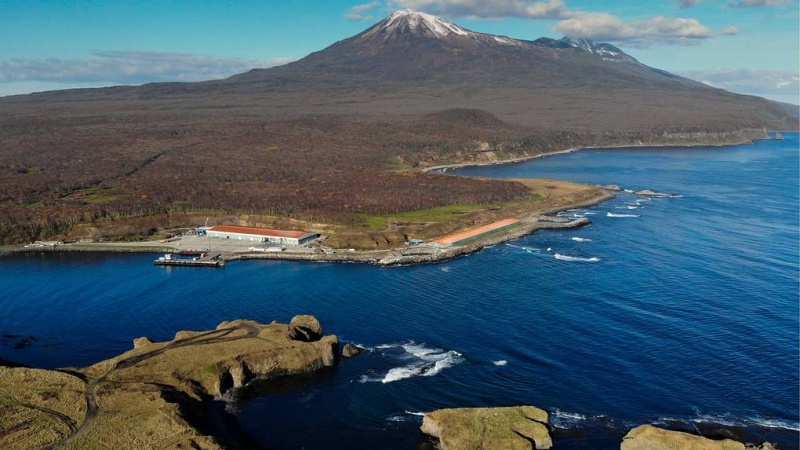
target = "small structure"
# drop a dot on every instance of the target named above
(258, 234)
(206, 260)
(475, 233)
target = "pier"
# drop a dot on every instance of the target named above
(211, 259)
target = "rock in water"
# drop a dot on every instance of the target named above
(351, 350)
(512, 428)
(648, 437)
(305, 329)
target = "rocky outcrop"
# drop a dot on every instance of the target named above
(648, 437)
(155, 395)
(350, 350)
(512, 428)
(304, 329)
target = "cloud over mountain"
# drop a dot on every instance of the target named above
(574, 23)
(129, 67)
(489, 9)
(641, 33)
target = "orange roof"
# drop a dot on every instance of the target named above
(472, 232)
(258, 231)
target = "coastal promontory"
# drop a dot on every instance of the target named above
(157, 395)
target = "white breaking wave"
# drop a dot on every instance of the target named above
(406, 416)
(386, 346)
(419, 361)
(775, 423)
(580, 239)
(526, 249)
(565, 420)
(733, 421)
(576, 258)
(621, 215)
(501, 362)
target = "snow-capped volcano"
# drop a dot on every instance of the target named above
(407, 24)
(406, 21)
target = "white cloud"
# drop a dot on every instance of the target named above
(599, 26)
(689, 3)
(360, 13)
(640, 33)
(781, 85)
(488, 9)
(760, 3)
(128, 67)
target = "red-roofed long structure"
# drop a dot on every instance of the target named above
(474, 233)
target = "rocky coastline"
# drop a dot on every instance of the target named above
(157, 395)
(528, 428)
(168, 395)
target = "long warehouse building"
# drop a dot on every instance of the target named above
(258, 234)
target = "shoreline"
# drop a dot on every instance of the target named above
(395, 256)
(389, 257)
(577, 149)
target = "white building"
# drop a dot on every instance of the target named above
(257, 234)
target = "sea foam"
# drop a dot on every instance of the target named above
(576, 258)
(418, 360)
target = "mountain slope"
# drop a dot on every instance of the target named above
(415, 63)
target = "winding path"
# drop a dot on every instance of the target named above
(92, 408)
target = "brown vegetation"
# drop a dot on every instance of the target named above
(329, 137)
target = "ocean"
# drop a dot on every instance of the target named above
(680, 311)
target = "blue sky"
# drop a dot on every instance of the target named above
(747, 46)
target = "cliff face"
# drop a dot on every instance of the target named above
(156, 394)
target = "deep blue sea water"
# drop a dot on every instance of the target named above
(666, 310)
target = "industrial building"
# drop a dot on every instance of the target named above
(475, 233)
(258, 234)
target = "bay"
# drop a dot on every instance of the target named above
(664, 310)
